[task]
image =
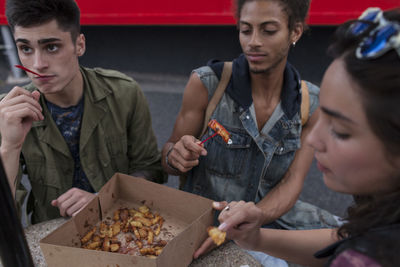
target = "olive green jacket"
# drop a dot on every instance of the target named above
(116, 136)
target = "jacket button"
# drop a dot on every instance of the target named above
(247, 117)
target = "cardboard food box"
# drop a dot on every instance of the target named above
(186, 216)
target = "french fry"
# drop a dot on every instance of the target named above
(143, 220)
(136, 233)
(88, 235)
(147, 251)
(157, 230)
(150, 237)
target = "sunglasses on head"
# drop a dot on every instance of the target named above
(384, 36)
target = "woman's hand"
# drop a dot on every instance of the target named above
(241, 221)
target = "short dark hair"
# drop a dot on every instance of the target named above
(296, 10)
(378, 82)
(27, 13)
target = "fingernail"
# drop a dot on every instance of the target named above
(216, 204)
(222, 227)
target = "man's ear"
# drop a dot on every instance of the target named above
(297, 32)
(80, 45)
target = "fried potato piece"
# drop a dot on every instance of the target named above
(106, 244)
(116, 228)
(142, 233)
(143, 220)
(216, 235)
(136, 224)
(150, 237)
(158, 251)
(103, 230)
(88, 235)
(136, 233)
(157, 230)
(144, 209)
(162, 243)
(139, 243)
(124, 214)
(114, 247)
(93, 245)
(147, 251)
(116, 215)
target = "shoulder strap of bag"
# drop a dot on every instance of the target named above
(219, 92)
(305, 103)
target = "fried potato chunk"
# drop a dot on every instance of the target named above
(216, 235)
(88, 235)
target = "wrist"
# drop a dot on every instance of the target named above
(7, 150)
(168, 164)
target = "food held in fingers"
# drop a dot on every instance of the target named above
(216, 235)
(218, 128)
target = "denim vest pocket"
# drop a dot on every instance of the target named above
(287, 145)
(226, 160)
(283, 157)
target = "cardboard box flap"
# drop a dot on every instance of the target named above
(66, 235)
(88, 217)
(179, 204)
(186, 243)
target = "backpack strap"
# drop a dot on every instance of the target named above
(305, 103)
(219, 92)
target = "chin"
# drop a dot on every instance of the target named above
(333, 185)
(259, 70)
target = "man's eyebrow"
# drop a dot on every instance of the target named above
(262, 24)
(336, 114)
(48, 40)
(21, 40)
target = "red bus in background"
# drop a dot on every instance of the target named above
(204, 12)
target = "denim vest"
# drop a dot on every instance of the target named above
(255, 161)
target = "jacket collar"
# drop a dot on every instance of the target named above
(239, 87)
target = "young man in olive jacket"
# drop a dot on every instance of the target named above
(72, 128)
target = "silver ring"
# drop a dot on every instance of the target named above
(226, 208)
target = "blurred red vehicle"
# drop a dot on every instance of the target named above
(205, 12)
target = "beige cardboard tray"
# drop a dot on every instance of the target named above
(186, 215)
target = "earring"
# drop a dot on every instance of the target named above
(294, 44)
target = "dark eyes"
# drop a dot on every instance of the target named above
(52, 47)
(25, 49)
(341, 136)
(265, 31)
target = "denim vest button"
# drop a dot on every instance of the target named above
(281, 149)
(247, 117)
